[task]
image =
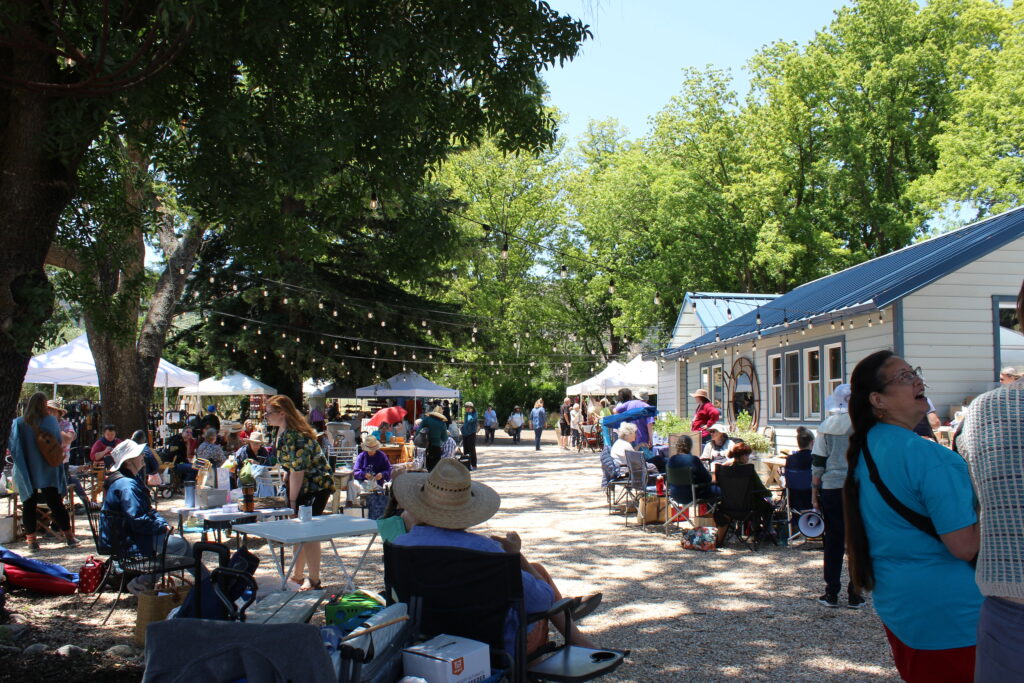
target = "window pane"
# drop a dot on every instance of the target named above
(718, 386)
(777, 370)
(792, 386)
(813, 399)
(813, 369)
(835, 363)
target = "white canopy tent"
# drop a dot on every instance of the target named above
(640, 375)
(72, 363)
(407, 384)
(231, 384)
(598, 384)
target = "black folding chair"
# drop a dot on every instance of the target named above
(678, 510)
(470, 593)
(743, 519)
(614, 479)
(128, 559)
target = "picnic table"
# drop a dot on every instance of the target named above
(324, 528)
(285, 607)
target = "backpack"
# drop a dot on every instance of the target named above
(48, 446)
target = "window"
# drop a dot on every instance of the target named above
(712, 380)
(791, 388)
(775, 384)
(1009, 341)
(744, 391)
(833, 366)
(812, 383)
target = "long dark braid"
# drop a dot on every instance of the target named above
(865, 379)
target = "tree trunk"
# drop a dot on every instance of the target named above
(35, 187)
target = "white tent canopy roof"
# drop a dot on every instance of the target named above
(231, 384)
(407, 384)
(640, 375)
(73, 363)
(598, 384)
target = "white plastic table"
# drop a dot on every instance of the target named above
(324, 528)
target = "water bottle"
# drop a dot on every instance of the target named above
(659, 485)
(190, 494)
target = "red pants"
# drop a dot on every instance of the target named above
(954, 665)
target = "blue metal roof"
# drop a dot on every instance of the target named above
(874, 284)
(714, 309)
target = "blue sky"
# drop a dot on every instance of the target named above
(634, 63)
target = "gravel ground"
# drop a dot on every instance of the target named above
(722, 616)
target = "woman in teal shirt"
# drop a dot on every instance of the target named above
(924, 588)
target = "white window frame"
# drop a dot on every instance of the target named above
(788, 358)
(775, 399)
(812, 387)
(826, 371)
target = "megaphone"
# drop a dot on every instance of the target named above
(811, 524)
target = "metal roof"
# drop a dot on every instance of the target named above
(714, 309)
(871, 285)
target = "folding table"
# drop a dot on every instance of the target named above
(324, 528)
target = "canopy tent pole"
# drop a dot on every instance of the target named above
(54, 391)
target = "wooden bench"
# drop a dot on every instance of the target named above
(285, 607)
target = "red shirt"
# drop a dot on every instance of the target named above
(100, 446)
(705, 416)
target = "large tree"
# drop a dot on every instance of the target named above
(248, 108)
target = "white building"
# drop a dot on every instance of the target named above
(943, 304)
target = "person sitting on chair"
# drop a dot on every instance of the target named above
(760, 497)
(126, 495)
(372, 464)
(701, 477)
(439, 508)
(801, 460)
(717, 449)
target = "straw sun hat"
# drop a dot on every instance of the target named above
(126, 450)
(55, 406)
(436, 412)
(447, 497)
(370, 443)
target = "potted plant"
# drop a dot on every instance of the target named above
(667, 424)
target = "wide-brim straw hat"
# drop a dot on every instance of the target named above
(701, 393)
(256, 437)
(126, 450)
(447, 497)
(719, 427)
(370, 443)
(436, 412)
(53, 405)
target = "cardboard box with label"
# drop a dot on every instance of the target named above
(448, 659)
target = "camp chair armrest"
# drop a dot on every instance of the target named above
(563, 605)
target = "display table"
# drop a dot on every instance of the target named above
(399, 452)
(324, 528)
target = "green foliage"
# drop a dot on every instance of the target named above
(758, 442)
(669, 423)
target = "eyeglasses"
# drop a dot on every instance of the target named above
(906, 377)
(271, 411)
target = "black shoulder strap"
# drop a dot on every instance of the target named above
(915, 518)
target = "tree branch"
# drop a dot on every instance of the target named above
(60, 257)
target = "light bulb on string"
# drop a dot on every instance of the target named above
(266, 293)
(728, 313)
(803, 330)
(383, 323)
(563, 272)
(335, 312)
(785, 318)
(504, 250)
(611, 286)
(245, 326)
(870, 322)
(758, 318)
(321, 305)
(234, 287)
(657, 298)
(810, 325)
(259, 330)
(222, 323)
(394, 352)
(181, 271)
(374, 203)
(423, 323)
(211, 279)
(285, 301)
(370, 315)
(833, 324)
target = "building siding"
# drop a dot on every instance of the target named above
(948, 326)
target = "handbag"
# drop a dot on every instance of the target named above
(422, 439)
(49, 446)
(90, 575)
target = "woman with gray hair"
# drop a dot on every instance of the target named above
(828, 472)
(210, 450)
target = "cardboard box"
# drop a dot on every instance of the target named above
(651, 510)
(207, 497)
(704, 521)
(448, 659)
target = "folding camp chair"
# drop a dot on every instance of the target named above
(678, 511)
(590, 437)
(614, 479)
(637, 487)
(743, 520)
(796, 481)
(470, 593)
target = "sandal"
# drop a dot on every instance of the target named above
(586, 605)
(299, 580)
(308, 585)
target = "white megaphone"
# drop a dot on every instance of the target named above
(811, 524)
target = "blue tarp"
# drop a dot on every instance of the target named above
(609, 421)
(30, 565)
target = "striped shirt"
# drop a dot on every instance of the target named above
(993, 443)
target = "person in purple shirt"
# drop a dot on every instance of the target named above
(643, 424)
(372, 464)
(441, 506)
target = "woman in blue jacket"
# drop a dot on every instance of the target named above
(33, 476)
(538, 420)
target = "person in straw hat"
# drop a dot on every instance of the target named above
(440, 506)
(253, 449)
(716, 450)
(436, 425)
(372, 464)
(707, 414)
